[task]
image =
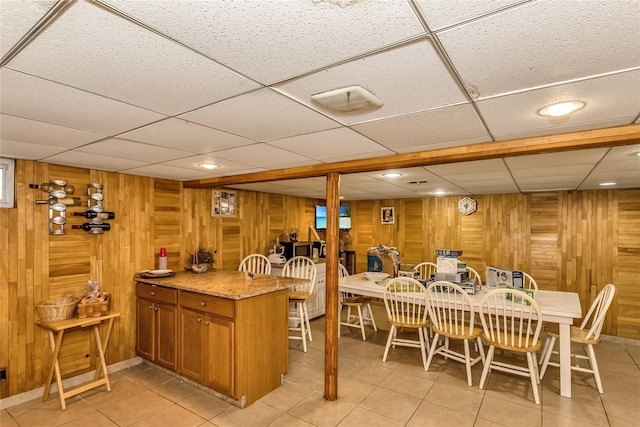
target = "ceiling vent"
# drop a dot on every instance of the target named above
(352, 98)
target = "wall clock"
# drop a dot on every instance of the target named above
(467, 206)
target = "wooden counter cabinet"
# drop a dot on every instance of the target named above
(156, 324)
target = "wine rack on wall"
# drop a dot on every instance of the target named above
(60, 199)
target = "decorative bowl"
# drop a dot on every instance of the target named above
(375, 276)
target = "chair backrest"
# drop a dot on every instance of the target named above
(404, 299)
(598, 312)
(255, 263)
(301, 267)
(475, 276)
(450, 308)
(511, 318)
(343, 273)
(529, 282)
(426, 269)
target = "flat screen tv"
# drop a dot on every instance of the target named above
(345, 218)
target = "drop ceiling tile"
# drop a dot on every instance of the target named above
(166, 172)
(133, 150)
(592, 39)
(627, 179)
(624, 152)
(579, 157)
(93, 49)
(477, 166)
(225, 167)
(249, 36)
(457, 125)
(489, 186)
(43, 134)
(332, 145)
(263, 115)
(47, 102)
(613, 98)
(27, 151)
(17, 18)
(263, 155)
(407, 79)
(93, 161)
(443, 13)
(550, 183)
(557, 171)
(630, 165)
(187, 136)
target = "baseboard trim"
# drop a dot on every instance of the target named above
(620, 340)
(68, 383)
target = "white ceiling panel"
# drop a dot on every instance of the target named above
(425, 83)
(187, 136)
(332, 145)
(457, 125)
(156, 88)
(610, 98)
(132, 150)
(26, 151)
(43, 134)
(271, 40)
(43, 101)
(262, 115)
(543, 42)
(126, 62)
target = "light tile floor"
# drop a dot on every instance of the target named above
(371, 393)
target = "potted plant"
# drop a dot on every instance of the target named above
(200, 260)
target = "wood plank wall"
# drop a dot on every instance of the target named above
(575, 241)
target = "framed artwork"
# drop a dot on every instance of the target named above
(224, 203)
(387, 215)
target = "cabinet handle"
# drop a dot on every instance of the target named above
(202, 303)
(206, 322)
(155, 308)
(153, 292)
(151, 307)
(199, 319)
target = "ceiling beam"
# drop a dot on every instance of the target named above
(608, 137)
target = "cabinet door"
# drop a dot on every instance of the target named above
(166, 336)
(145, 328)
(316, 304)
(219, 354)
(191, 327)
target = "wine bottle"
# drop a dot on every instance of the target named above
(90, 214)
(69, 201)
(89, 226)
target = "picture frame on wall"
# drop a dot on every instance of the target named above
(224, 203)
(387, 215)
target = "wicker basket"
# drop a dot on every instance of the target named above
(57, 309)
(92, 307)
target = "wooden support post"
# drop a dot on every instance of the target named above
(331, 314)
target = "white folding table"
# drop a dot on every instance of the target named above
(557, 307)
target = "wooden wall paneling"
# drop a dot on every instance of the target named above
(412, 232)
(365, 214)
(627, 284)
(166, 221)
(544, 240)
(472, 235)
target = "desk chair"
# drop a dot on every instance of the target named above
(588, 334)
(304, 268)
(404, 300)
(509, 323)
(452, 316)
(357, 302)
(255, 263)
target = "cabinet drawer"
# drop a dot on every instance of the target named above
(157, 293)
(207, 303)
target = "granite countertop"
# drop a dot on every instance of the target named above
(226, 284)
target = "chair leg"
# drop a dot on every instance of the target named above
(370, 318)
(594, 367)
(432, 351)
(545, 348)
(303, 332)
(392, 333)
(487, 365)
(547, 356)
(361, 323)
(480, 348)
(306, 318)
(467, 362)
(532, 374)
(535, 365)
(422, 335)
(339, 319)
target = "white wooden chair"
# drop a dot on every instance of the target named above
(529, 282)
(404, 300)
(475, 276)
(426, 269)
(452, 316)
(303, 268)
(255, 263)
(588, 334)
(509, 322)
(357, 302)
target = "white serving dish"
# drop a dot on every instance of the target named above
(375, 276)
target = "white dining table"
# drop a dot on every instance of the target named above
(556, 307)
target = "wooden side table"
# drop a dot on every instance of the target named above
(56, 332)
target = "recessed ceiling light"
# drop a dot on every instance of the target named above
(208, 165)
(347, 99)
(607, 184)
(561, 108)
(638, 154)
(439, 192)
(391, 175)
